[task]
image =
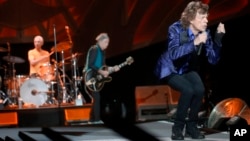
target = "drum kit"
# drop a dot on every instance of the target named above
(40, 89)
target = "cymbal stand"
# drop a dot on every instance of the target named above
(13, 91)
(9, 56)
(76, 79)
(5, 97)
(64, 91)
(58, 79)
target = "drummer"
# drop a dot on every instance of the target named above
(37, 56)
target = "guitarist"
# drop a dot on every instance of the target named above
(95, 61)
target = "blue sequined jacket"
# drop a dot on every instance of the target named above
(181, 49)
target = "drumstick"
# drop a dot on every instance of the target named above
(51, 53)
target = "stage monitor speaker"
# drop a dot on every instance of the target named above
(154, 102)
(226, 112)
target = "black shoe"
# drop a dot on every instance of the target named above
(177, 134)
(194, 133)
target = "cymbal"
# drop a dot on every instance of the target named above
(61, 64)
(73, 56)
(3, 49)
(13, 59)
(61, 47)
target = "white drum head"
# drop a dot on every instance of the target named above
(30, 86)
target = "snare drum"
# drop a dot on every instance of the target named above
(34, 91)
(47, 72)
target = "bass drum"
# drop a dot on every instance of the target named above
(34, 91)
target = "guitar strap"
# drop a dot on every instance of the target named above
(85, 69)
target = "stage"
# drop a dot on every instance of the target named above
(70, 122)
(159, 130)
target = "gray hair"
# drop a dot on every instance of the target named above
(102, 36)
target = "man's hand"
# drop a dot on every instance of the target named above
(221, 28)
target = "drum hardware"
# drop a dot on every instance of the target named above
(5, 98)
(13, 92)
(73, 56)
(51, 97)
(60, 64)
(13, 59)
(74, 66)
(57, 48)
(76, 79)
(12, 89)
(61, 79)
(35, 92)
(64, 92)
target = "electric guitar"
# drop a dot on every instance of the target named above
(95, 82)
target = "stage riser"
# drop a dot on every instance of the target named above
(8, 118)
(44, 117)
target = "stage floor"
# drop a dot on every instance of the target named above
(151, 130)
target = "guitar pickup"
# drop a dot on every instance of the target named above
(91, 81)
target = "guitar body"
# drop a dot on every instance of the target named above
(95, 82)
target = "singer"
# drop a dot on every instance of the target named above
(178, 66)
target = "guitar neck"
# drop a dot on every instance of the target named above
(128, 61)
(120, 66)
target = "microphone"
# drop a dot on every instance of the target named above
(200, 45)
(199, 49)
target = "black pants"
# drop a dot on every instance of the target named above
(192, 91)
(96, 105)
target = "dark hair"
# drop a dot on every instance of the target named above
(191, 10)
